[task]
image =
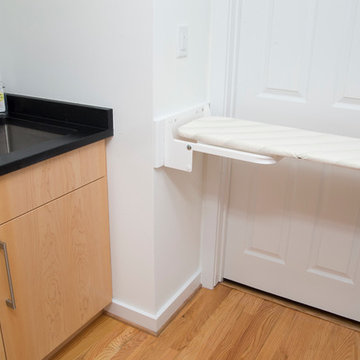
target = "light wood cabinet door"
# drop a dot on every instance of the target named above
(2, 349)
(59, 258)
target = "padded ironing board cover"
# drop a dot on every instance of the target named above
(274, 140)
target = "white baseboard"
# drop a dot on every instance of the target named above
(154, 322)
(132, 315)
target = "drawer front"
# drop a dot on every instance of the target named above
(33, 186)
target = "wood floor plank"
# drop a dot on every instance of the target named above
(221, 324)
(250, 306)
(146, 349)
(277, 335)
(185, 326)
(300, 334)
(99, 329)
(336, 319)
(131, 346)
(193, 318)
(250, 343)
(344, 344)
(215, 329)
(107, 347)
(318, 345)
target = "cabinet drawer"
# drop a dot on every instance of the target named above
(33, 186)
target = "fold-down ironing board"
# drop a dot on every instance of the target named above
(273, 140)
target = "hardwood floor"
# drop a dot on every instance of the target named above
(225, 323)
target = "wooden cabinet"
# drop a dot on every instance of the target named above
(59, 258)
(2, 349)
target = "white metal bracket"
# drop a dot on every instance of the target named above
(177, 153)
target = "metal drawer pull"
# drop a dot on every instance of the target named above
(9, 302)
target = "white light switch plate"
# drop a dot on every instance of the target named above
(183, 40)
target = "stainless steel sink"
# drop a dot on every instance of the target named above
(14, 137)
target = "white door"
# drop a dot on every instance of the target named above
(293, 229)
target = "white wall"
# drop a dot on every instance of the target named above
(98, 52)
(179, 83)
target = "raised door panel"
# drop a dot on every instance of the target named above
(296, 63)
(335, 241)
(347, 94)
(293, 229)
(288, 53)
(60, 266)
(33, 186)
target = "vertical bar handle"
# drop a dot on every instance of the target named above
(9, 302)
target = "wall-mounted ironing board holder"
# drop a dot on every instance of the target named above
(174, 152)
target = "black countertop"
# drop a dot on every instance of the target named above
(36, 129)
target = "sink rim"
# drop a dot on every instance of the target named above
(16, 135)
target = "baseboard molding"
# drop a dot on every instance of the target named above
(132, 315)
(154, 323)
